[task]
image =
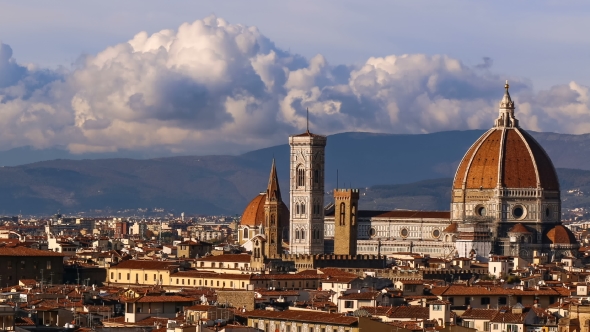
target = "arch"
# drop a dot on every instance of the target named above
(342, 214)
(297, 208)
(297, 234)
(302, 234)
(300, 176)
(316, 175)
(302, 208)
(246, 233)
(522, 239)
(353, 215)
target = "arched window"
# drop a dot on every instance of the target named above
(272, 219)
(300, 176)
(316, 175)
(297, 235)
(297, 208)
(303, 234)
(302, 208)
(246, 233)
(353, 214)
(342, 214)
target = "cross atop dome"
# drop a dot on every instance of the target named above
(506, 118)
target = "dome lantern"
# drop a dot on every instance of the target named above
(506, 117)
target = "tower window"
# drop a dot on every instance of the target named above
(353, 215)
(342, 214)
(297, 236)
(246, 233)
(300, 176)
(302, 208)
(316, 176)
(297, 208)
(303, 234)
(272, 219)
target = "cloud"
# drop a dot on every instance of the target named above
(214, 87)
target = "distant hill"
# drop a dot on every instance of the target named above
(435, 194)
(225, 184)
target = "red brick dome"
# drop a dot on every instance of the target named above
(254, 213)
(561, 235)
(508, 157)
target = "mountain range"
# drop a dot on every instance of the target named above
(394, 171)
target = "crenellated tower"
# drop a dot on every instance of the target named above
(345, 221)
(307, 193)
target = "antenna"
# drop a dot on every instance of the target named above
(307, 126)
(336, 179)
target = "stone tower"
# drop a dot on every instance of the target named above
(307, 193)
(345, 221)
(273, 223)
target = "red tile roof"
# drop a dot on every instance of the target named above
(24, 251)
(302, 316)
(232, 258)
(146, 265)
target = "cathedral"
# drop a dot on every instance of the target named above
(505, 201)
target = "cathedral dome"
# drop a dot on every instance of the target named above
(561, 235)
(506, 156)
(254, 213)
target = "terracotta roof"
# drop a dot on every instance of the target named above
(159, 299)
(360, 296)
(237, 258)
(523, 164)
(519, 228)
(308, 134)
(146, 265)
(378, 311)
(561, 235)
(253, 215)
(207, 274)
(302, 316)
(25, 251)
(452, 228)
(464, 290)
(486, 314)
(414, 312)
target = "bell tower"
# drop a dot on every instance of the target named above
(273, 225)
(345, 221)
(307, 193)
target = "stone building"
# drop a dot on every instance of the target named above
(26, 263)
(505, 201)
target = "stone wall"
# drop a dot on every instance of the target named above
(236, 299)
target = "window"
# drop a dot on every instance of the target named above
(183, 281)
(485, 300)
(119, 276)
(467, 300)
(303, 234)
(145, 277)
(112, 275)
(22, 264)
(342, 214)
(486, 326)
(502, 301)
(437, 307)
(297, 208)
(297, 234)
(302, 208)
(353, 214)
(495, 326)
(316, 176)
(246, 233)
(348, 304)
(177, 281)
(155, 277)
(300, 176)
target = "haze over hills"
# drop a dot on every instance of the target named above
(225, 184)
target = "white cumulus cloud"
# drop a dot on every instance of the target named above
(214, 87)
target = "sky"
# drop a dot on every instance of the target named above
(219, 77)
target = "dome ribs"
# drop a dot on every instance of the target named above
(460, 175)
(483, 171)
(547, 175)
(518, 168)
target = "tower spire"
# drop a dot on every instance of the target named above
(506, 117)
(307, 123)
(273, 192)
